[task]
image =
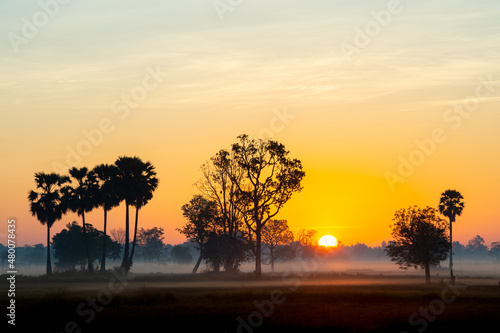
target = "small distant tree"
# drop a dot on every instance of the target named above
(180, 254)
(307, 237)
(4, 254)
(151, 243)
(420, 239)
(495, 251)
(275, 235)
(201, 215)
(118, 235)
(477, 247)
(34, 254)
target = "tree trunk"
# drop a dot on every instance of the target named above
(85, 242)
(427, 273)
(258, 254)
(103, 259)
(195, 269)
(271, 254)
(135, 235)
(49, 264)
(125, 264)
(451, 252)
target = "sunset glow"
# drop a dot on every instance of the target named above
(380, 120)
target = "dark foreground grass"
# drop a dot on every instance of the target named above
(159, 304)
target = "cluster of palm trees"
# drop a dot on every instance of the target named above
(129, 179)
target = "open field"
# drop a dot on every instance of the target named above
(294, 303)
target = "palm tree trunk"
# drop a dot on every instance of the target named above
(85, 242)
(125, 263)
(451, 253)
(103, 259)
(135, 234)
(49, 264)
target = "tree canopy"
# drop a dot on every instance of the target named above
(420, 239)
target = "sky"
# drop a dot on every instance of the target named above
(386, 103)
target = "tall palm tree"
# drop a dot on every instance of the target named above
(47, 205)
(451, 205)
(107, 196)
(136, 183)
(147, 183)
(80, 198)
(127, 167)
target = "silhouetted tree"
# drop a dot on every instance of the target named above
(276, 233)
(420, 239)
(495, 251)
(34, 254)
(180, 254)
(201, 215)
(80, 198)
(47, 205)
(136, 184)
(4, 254)
(70, 250)
(107, 196)
(118, 235)
(147, 183)
(268, 180)
(477, 247)
(307, 237)
(219, 184)
(151, 243)
(451, 205)
(226, 251)
(306, 242)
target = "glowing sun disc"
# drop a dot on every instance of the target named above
(328, 241)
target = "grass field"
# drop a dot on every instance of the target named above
(218, 303)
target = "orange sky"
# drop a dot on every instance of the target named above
(173, 83)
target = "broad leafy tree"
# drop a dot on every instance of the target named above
(201, 215)
(275, 235)
(420, 239)
(70, 249)
(151, 243)
(269, 178)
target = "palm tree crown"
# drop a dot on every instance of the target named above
(136, 183)
(80, 197)
(451, 204)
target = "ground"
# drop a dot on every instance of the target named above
(219, 303)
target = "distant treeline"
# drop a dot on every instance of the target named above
(152, 250)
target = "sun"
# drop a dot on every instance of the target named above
(328, 241)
